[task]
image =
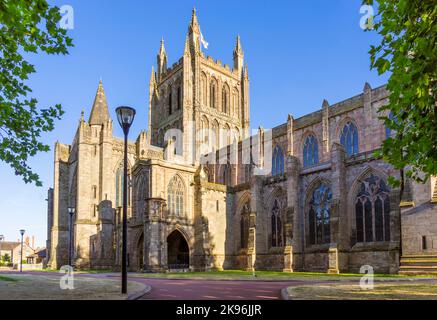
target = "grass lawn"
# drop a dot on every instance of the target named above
(381, 291)
(269, 275)
(8, 279)
(88, 271)
(47, 287)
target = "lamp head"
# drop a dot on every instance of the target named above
(22, 231)
(71, 210)
(125, 117)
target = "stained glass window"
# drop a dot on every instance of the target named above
(175, 196)
(276, 225)
(319, 215)
(310, 151)
(372, 210)
(349, 138)
(277, 161)
(244, 226)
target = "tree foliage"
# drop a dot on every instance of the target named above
(408, 51)
(26, 27)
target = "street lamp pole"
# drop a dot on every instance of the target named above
(71, 211)
(21, 257)
(125, 116)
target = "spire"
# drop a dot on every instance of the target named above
(187, 46)
(238, 56)
(162, 48)
(194, 25)
(161, 60)
(246, 72)
(152, 76)
(99, 112)
(238, 48)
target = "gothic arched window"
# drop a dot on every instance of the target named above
(225, 100)
(277, 161)
(349, 138)
(319, 215)
(212, 93)
(170, 104)
(389, 131)
(119, 178)
(244, 226)
(372, 209)
(175, 196)
(226, 175)
(310, 151)
(179, 98)
(141, 193)
(276, 225)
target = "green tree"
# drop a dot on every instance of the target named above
(26, 27)
(408, 52)
(6, 258)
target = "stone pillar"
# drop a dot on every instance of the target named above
(256, 225)
(340, 233)
(288, 250)
(333, 260)
(251, 247)
(155, 249)
(293, 228)
(325, 125)
(106, 219)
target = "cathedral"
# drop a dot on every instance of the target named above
(205, 193)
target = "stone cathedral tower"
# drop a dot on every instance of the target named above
(204, 99)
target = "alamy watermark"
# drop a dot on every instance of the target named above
(67, 280)
(367, 281)
(67, 19)
(366, 21)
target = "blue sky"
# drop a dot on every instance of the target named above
(298, 53)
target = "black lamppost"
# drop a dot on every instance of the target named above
(71, 211)
(125, 116)
(22, 231)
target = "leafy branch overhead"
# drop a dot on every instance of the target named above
(408, 51)
(26, 26)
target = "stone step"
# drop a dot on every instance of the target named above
(414, 263)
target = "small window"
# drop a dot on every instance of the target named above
(424, 246)
(349, 138)
(169, 103)
(179, 98)
(217, 206)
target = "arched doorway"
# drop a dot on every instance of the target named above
(178, 253)
(140, 253)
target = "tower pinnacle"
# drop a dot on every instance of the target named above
(99, 112)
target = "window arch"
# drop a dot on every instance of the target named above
(119, 178)
(212, 94)
(276, 225)
(170, 104)
(244, 226)
(310, 151)
(278, 161)
(372, 210)
(226, 174)
(141, 192)
(225, 99)
(349, 138)
(319, 215)
(179, 93)
(175, 196)
(388, 130)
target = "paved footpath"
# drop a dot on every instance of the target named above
(167, 289)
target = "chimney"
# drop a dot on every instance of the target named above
(33, 242)
(26, 241)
